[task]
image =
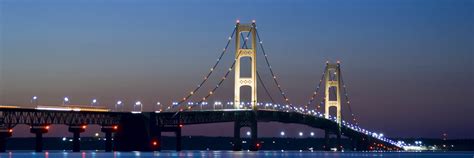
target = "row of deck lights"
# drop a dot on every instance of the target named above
(138, 108)
(282, 133)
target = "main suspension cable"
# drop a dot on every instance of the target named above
(211, 92)
(210, 72)
(265, 88)
(316, 91)
(347, 98)
(271, 71)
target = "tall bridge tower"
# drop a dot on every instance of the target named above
(333, 84)
(242, 51)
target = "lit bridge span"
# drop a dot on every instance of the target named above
(141, 131)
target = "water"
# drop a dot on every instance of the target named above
(231, 154)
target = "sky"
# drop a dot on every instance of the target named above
(407, 64)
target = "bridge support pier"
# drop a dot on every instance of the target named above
(4, 135)
(156, 140)
(108, 130)
(237, 140)
(38, 130)
(254, 136)
(246, 120)
(178, 139)
(327, 143)
(76, 142)
(175, 127)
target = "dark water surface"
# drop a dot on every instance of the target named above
(232, 154)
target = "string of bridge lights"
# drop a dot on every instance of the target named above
(208, 74)
(283, 94)
(228, 70)
(315, 92)
(211, 92)
(347, 99)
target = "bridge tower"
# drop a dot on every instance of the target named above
(332, 81)
(241, 52)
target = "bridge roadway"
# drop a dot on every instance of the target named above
(142, 131)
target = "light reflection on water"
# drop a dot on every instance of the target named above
(233, 154)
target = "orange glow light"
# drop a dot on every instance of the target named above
(84, 127)
(10, 130)
(47, 127)
(115, 127)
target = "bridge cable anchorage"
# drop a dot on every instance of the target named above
(283, 94)
(211, 92)
(316, 91)
(210, 72)
(348, 101)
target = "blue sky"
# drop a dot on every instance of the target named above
(407, 62)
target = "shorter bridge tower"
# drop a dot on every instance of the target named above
(333, 82)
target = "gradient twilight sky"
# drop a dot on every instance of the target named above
(408, 64)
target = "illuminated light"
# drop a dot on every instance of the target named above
(180, 125)
(253, 21)
(138, 103)
(282, 133)
(312, 133)
(301, 134)
(338, 62)
(47, 127)
(237, 21)
(155, 143)
(35, 97)
(10, 130)
(191, 92)
(8, 107)
(119, 102)
(94, 101)
(84, 127)
(248, 133)
(64, 139)
(115, 127)
(258, 145)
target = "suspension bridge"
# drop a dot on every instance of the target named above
(139, 130)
